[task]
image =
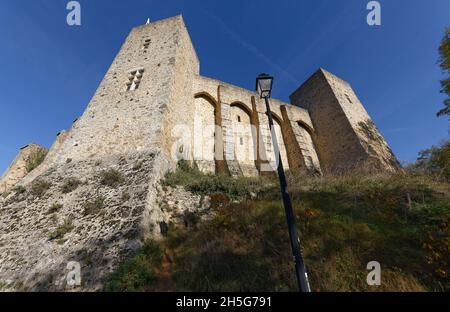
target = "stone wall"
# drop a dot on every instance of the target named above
(118, 120)
(107, 222)
(204, 129)
(235, 101)
(338, 116)
(379, 155)
(123, 128)
(179, 117)
(48, 161)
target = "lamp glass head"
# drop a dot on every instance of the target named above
(264, 84)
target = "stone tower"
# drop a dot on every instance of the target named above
(346, 137)
(147, 86)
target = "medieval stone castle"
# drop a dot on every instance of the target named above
(151, 109)
(154, 88)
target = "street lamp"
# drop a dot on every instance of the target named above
(264, 84)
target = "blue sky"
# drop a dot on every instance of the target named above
(49, 71)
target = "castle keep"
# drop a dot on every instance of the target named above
(152, 109)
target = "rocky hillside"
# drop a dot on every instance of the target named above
(94, 212)
(132, 229)
(241, 244)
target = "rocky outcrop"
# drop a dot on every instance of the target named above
(20, 167)
(93, 212)
(178, 206)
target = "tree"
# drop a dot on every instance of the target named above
(444, 63)
(435, 161)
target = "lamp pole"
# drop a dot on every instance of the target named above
(300, 269)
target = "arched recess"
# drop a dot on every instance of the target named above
(244, 137)
(208, 97)
(307, 127)
(278, 125)
(308, 149)
(204, 137)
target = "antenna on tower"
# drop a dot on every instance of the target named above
(148, 21)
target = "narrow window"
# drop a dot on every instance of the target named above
(241, 141)
(348, 98)
(239, 118)
(134, 79)
(146, 44)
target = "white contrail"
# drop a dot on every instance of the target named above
(233, 35)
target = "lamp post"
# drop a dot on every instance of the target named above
(264, 84)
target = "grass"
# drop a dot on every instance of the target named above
(70, 185)
(39, 187)
(95, 206)
(35, 159)
(5, 194)
(19, 189)
(139, 272)
(197, 182)
(111, 178)
(55, 207)
(5, 285)
(61, 230)
(344, 222)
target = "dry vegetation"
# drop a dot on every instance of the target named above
(35, 159)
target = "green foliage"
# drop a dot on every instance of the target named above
(35, 159)
(69, 185)
(444, 63)
(235, 251)
(191, 219)
(111, 178)
(6, 194)
(5, 285)
(61, 230)
(437, 246)
(19, 189)
(199, 183)
(39, 187)
(344, 222)
(434, 161)
(139, 272)
(55, 207)
(95, 206)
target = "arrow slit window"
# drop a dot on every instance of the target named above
(146, 45)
